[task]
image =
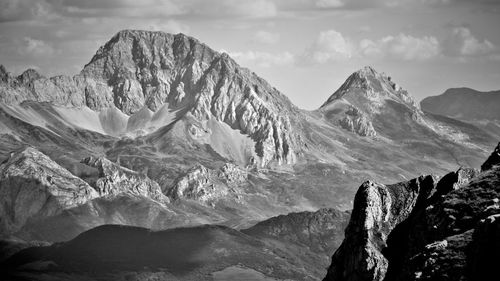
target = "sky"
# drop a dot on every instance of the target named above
(305, 48)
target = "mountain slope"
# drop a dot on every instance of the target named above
(464, 104)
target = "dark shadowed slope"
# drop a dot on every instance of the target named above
(113, 252)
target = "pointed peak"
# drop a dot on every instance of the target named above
(374, 86)
(29, 75)
(367, 71)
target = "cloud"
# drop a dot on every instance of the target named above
(230, 8)
(461, 43)
(35, 47)
(330, 45)
(402, 46)
(20, 10)
(262, 59)
(329, 3)
(171, 26)
(266, 37)
(15, 10)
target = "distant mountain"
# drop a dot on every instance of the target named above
(464, 104)
(427, 228)
(468, 105)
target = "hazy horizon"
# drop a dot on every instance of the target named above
(306, 49)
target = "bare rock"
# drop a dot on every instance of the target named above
(378, 210)
(115, 179)
(420, 230)
(357, 122)
(207, 185)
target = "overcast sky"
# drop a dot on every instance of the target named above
(305, 48)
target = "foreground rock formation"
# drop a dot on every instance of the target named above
(424, 229)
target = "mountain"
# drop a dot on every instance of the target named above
(480, 108)
(176, 134)
(114, 252)
(176, 77)
(424, 229)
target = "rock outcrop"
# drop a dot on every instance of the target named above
(422, 229)
(32, 185)
(206, 185)
(114, 179)
(357, 122)
(378, 210)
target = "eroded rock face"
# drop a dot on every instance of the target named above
(115, 179)
(357, 122)
(32, 185)
(153, 68)
(377, 210)
(422, 230)
(206, 185)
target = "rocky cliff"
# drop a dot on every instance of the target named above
(207, 185)
(424, 229)
(114, 179)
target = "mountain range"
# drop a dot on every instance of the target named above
(160, 139)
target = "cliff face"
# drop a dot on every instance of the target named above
(422, 229)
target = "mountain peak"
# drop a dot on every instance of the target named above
(367, 71)
(369, 86)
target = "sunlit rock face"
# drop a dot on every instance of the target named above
(114, 180)
(207, 185)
